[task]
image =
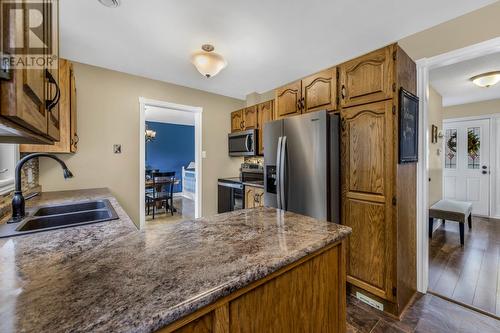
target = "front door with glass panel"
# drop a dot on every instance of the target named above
(466, 172)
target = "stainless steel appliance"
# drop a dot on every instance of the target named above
(231, 191)
(243, 143)
(301, 165)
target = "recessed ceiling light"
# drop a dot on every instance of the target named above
(110, 3)
(486, 80)
(207, 62)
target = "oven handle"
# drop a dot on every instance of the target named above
(231, 185)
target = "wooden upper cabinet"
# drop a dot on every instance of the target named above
(265, 113)
(288, 100)
(319, 91)
(366, 79)
(367, 160)
(23, 99)
(66, 114)
(237, 121)
(250, 117)
(72, 105)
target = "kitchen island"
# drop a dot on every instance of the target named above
(251, 270)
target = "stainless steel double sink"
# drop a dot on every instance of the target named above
(61, 216)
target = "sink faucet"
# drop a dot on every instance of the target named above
(18, 204)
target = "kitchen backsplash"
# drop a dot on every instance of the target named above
(255, 160)
(27, 186)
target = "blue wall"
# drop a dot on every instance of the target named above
(172, 149)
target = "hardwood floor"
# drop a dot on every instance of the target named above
(428, 314)
(470, 275)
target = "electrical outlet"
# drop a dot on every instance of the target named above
(370, 301)
(117, 149)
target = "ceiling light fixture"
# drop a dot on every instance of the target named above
(110, 3)
(207, 62)
(486, 80)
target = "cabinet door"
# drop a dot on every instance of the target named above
(23, 98)
(258, 197)
(265, 113)
(319, 91)
(250, 117)
(288, 100)
(72, 104)
(237, 121)
(369, 78)
(367, 160)
(53, 115)
(249, 197)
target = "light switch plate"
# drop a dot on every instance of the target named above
(203, 154)
(117, 149)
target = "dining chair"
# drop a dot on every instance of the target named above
(162, 191)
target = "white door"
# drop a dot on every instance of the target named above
(466, 171)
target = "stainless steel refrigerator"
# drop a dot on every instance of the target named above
(301, 165)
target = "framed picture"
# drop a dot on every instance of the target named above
(434, 134)
(408, 127)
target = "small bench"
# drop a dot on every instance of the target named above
(452, 210)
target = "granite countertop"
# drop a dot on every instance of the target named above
(111, 277)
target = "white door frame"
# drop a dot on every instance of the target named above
(423, 67)
(143, 102)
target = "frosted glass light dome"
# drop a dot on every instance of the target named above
(487, 79)
(207, 62)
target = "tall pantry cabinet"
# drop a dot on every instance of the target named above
(378, 194)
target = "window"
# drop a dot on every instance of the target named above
(450, 158)
(473, 147)
(9, 154)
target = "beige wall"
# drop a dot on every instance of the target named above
(472, 28)
(435, 117)
(256, 98)
(472, 109)
(108, 113)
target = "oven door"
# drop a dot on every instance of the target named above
(230, 197)
(242, 143)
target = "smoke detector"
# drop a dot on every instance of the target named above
(110, 3)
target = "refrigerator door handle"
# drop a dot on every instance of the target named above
(278, 172)
(283, 176)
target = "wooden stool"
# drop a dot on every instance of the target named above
(451, 210)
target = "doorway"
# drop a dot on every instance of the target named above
(466, 174)
(170, 177)
(458, 161)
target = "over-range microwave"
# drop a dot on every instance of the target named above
(243, 143)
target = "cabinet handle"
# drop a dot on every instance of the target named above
(343, 124)
(342, 92)
(50, 104)
(75, 139)
(302, 103)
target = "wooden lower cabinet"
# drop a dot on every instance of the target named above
(254, 197)
(306, 296)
